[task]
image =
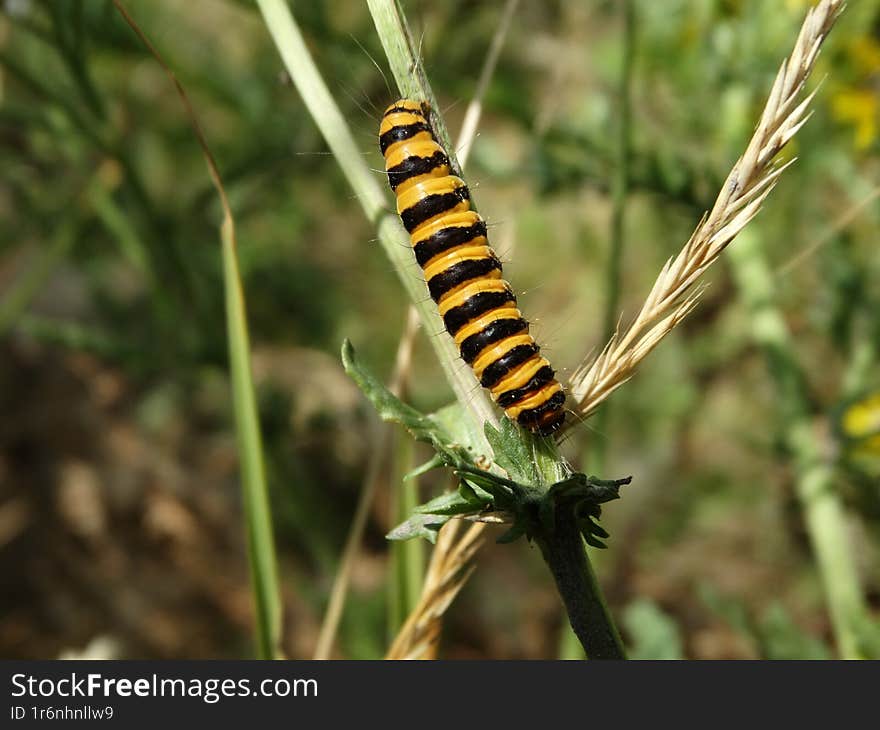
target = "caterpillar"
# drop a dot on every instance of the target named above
(463, 273)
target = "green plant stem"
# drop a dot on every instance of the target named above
(826, 525)
(597, 452)
(258, 515)
(620, 191)
(407, 556)
(620, 188)
(821, 505)
(564, 552)
(330, 121)
(372, 197)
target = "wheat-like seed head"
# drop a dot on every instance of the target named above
(748, 184)
(448, 571)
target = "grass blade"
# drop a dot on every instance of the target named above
(258, 516)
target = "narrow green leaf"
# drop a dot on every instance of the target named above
(474, 493)
(258, 519)
(419, 525)
(435, 462)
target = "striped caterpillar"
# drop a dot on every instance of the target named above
(463, 273)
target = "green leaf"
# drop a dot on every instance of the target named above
(504, 491)
(391, 408)
(590, 540)
(475, 494)
(590, 489)
(419, 525)
(450, 503)
(460, 426)
(605, 490)
(653, 633)
(511, 452)
(255, 498)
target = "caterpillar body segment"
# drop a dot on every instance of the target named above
(463, 273)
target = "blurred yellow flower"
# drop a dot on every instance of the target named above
(859, 107)
(862, 418)
(865, 52)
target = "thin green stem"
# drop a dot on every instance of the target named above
(413, 84)
(407, 556)
(620, 189)
(258, 514)
(372, 197)
(598, 452)
(620, 192)
(823, 510)
(581, 590)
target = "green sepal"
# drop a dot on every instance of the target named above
(511, 453)
(590, 540)
(503, 491)
(475, 494)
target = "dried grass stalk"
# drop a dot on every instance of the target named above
(448, 571)
(748, 184)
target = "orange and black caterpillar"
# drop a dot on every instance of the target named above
(463, 273)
